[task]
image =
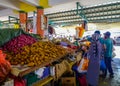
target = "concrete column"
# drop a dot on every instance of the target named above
(40, 19)
(23, 20)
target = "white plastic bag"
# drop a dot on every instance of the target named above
(82, 68)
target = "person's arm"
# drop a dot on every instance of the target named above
(88, 39)
(83, 40)
(113, 41)
(104, 47)
(104, 44)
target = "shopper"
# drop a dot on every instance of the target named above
(108, 53)
(91, 39)
(94, 61)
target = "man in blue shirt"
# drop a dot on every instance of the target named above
(108, 42)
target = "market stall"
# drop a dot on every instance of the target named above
(43, 60)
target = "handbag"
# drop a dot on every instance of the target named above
(113, 54)
(102, 64)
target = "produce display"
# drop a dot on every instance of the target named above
(37, 54)
(4, 67)
(65, 40)
(61, 40)
(17, 43)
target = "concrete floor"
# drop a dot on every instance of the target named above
(116, 68)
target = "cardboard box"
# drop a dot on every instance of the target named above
(68, 81)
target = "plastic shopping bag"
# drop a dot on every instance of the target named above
(4, 67)
(113, 54)
(83, 66)
(102, 64)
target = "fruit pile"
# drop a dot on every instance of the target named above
(17, 43)
(36, 54)
(65, 40)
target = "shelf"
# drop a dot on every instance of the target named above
(43, 82)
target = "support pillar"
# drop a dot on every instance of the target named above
(23, 20)
(40, 20)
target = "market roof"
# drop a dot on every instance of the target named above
(108, 12)
(65, 11)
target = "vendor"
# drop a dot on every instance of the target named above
(51, 32)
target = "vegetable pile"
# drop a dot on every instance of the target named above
(37, 54)
(17, 43)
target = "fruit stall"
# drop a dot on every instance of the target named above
(33, 61)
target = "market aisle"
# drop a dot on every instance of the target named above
(116, 67)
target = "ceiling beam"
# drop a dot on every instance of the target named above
(94, 9)
(73, 12)
(93, 20)
(104, 5)
(105, 13)
(66, 17)
(58, 2)
(32, 2)
(80, 22)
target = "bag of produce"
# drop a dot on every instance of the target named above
(60, 69)
(4, 67)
